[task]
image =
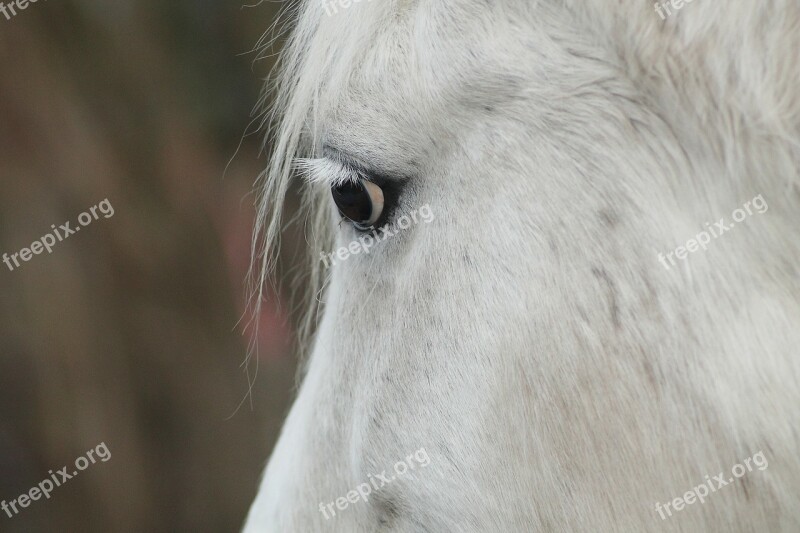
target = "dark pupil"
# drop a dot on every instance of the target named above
(353, 201)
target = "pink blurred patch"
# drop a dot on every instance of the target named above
(233, 219)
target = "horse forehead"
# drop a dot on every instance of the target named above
(411, 83)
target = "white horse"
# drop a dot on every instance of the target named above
(572, 342)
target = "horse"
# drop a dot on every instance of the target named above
(586, 334)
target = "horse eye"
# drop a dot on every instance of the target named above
(361, 202)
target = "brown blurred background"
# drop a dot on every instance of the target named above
(127, 332)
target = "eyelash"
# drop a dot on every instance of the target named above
(325, 171)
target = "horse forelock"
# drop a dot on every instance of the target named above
(313, 69)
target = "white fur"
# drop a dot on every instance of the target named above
(558, 376)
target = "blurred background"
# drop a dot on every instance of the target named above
(129, 332)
